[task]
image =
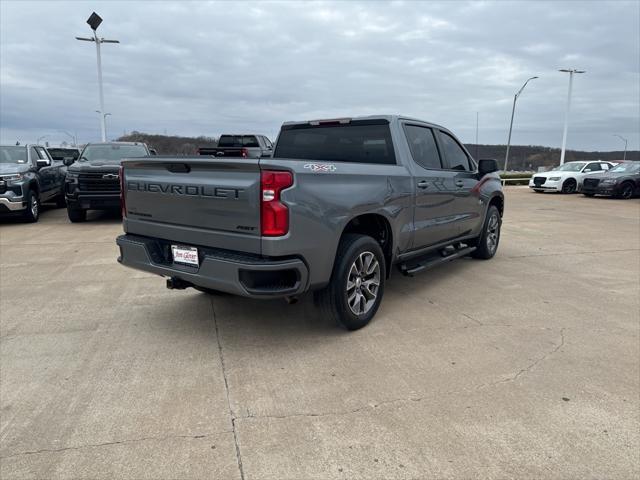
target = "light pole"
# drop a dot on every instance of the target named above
(104, 122)
(94, 22)
(41, 138)
(513, 111)
(624, 156)
(570, 71)
(73, 138)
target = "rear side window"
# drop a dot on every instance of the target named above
(423, 146)
(370, 143)
(453, 152)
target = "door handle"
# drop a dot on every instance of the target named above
(459, 183)
(423, 184)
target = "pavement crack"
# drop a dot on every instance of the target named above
(226, 388)
(553, 254)
(473, 319)
(529, 367)
(105, 444)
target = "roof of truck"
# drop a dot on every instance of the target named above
(389, 118)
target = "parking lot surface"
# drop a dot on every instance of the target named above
(527, 365)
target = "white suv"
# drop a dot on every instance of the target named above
(566, 178)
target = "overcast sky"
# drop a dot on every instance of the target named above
(205, 68)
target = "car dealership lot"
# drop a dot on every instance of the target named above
(527, 365)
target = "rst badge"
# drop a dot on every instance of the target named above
(321, 167)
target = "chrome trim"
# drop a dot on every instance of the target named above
(12, 205)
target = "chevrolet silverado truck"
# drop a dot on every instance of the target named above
(92, 182)
(29, 177)
(246, 146)
(338, 204)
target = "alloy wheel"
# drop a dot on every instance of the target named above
(493, 233)
(363, 283)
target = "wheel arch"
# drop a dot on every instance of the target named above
(379, 228)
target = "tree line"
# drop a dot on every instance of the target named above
(521, 157)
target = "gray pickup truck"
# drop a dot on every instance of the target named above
(28, 178)
(337, 205)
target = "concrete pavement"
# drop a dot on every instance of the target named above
(524, 366)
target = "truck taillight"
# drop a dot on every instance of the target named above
(274, 215)
(244, 153)
(122, 203)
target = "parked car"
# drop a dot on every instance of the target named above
(93, 182)
(29, 177)
(340, 202)
(247, 146)
(566, 178)
(61, 153)
(621, 181)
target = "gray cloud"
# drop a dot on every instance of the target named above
(204, 68)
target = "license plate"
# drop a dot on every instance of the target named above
(185, 255)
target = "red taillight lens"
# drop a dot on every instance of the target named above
(244, 153)
(274, 215)
(122, 203)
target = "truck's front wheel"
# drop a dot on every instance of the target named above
(355, 291)
(76, 214)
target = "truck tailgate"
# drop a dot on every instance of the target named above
(199, 201)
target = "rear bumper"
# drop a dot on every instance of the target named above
(232, 272)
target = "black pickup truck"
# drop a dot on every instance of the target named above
(244, 146)
(93, 181)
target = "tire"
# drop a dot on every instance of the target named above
(626, 191)
(589, 194)
(487, 242)
(76, 215)
(352, 297)
(569, 186)
(32, 212)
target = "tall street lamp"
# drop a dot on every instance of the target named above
(513, 110)
(570, 71)
(104, 121)
(624, 157)
(94, 22)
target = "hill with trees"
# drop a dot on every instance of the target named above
(521, 157)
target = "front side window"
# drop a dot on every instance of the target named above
(594, 167)
(422, 144)
(453, 152)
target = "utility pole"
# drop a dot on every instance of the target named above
(477, 113)
(624, 157)
(513, 111)
(94, 22)
(570, 71)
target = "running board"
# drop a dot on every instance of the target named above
(420, 265)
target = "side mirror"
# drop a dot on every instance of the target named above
(153, 151)
(487, 165)
(68, 161)
(43, 162)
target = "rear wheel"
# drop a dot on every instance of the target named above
(76, 215)
(626, 191)
(487, 242)
(32, 212)
(569, 186)
(355, 290)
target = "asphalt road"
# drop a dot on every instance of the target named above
(524, 366)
